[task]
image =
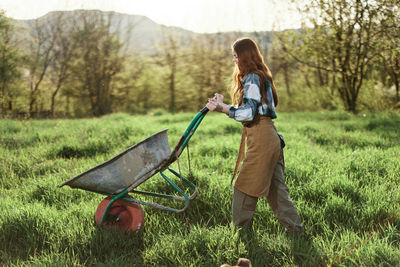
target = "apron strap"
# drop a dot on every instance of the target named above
(240, 154)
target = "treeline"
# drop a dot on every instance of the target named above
(79, 66)
(352, 48)
(345, 57)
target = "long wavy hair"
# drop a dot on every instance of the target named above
(250, 60)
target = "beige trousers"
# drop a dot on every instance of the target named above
(244, 206)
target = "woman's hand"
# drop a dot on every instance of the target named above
(212, 104)
(216, 104)
(219, 98)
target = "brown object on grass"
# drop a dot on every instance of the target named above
(242, 262)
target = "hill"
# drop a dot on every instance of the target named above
(138, 32)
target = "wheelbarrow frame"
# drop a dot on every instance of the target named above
(124, 194)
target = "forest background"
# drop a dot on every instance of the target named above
(86, 63)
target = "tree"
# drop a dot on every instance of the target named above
(41, 55)
(63, 54)
(389, 58)
(342, 41)
(98, 61)
(9, 62)
(169, 58)
(282, 64)
(134, 85)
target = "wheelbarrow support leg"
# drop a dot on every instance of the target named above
(177, 188)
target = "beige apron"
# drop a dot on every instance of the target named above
(263, 150)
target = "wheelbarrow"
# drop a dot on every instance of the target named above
(120, 175)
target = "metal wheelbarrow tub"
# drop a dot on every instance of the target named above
(129, 168)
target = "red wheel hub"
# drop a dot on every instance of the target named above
(123, 214)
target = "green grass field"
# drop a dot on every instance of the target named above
(343, 172)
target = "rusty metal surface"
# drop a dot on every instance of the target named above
(127, 169)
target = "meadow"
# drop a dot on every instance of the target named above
(343, 172)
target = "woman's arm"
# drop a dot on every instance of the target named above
(251, 99)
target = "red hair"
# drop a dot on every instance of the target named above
(250, 60)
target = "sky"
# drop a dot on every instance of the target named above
(196, 15)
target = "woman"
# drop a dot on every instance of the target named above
(254, 100)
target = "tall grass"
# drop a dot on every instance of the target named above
(343, 172)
